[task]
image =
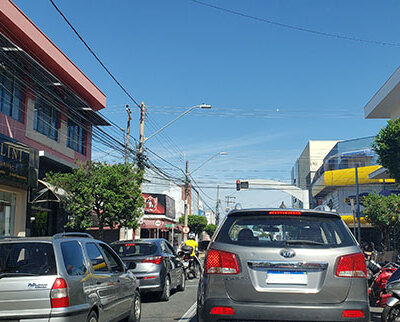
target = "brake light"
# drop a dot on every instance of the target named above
(222, 310)
(149, 277)
(352, 314)
(284, 212)
(352, 266)
(154, 260)
(219, 262)
(59, 294)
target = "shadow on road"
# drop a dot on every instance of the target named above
(153, 297)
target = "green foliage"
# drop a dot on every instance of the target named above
(387, 146)
(210, 229)
(196, 223)
(99, 194)
(383, 213)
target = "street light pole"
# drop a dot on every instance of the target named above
(186, 209)
(143, 139)
(210, 158)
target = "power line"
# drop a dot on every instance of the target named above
(94, 54)
(297, 28)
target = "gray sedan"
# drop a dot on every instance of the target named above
(155, 263)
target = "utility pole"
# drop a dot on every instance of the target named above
(186, 210)
(358, 206)
(140, 154)
(217, 208)
(229, 200)
(128, 131)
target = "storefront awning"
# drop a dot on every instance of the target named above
(163, 224)
(42, 195)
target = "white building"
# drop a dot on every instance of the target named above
(307, 164)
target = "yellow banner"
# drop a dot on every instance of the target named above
(348, 219)
(346, 177)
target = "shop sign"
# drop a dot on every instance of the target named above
(14, 161)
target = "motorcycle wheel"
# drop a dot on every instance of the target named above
(391, 314)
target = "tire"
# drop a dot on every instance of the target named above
(166, 292)
(391, 314)
(181, 287)
(136, 308)
(92, 317)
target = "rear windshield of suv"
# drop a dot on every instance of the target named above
(27, 259)
(280, 231)
(135, 249)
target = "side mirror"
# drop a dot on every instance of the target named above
(132, 265)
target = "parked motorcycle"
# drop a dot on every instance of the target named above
(391, 312)
(378, 295)
(191, 264)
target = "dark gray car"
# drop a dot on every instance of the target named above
(65, 278)
(155, 263)
(275, 265)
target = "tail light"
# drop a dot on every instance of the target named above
(59, 294)
(351, 266)
(153, 260)
(219, 262)
(222, 310)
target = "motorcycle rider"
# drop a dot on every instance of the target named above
(193, 243)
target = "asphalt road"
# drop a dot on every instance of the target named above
(182, 308)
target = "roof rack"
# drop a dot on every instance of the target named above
(73, 234)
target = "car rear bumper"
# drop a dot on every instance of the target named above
(149, 284)
(283, 312)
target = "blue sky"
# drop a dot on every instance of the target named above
(272, 89)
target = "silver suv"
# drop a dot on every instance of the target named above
(283, 265)
(67, 277)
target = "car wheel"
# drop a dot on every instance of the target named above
(136, 308)
(181, 287)
(391, 314)
(92, 317)
(166, 292)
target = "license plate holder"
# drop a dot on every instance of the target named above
(287, 277)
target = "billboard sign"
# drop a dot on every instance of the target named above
(159, 204)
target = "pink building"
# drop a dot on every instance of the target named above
(47, 111)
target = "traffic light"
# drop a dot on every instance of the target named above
(237, 185)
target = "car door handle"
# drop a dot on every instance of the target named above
(98, 283)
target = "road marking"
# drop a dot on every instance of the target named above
(189, 313)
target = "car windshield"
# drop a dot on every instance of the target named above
(135, 249)
(280, 231)
(19, 259)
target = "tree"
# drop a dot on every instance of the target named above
(99, 194)
(210, 229)
(387, 146)
(196, 223)
(384, 213)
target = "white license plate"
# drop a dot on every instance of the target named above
(279, 277)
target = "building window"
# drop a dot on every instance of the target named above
(46, 120)
(76, 137)
(11, 96)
